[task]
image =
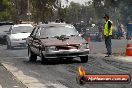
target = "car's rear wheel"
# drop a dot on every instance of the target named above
(43, 59)
(31, 55)
(84, 59)
(8, 46)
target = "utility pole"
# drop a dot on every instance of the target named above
(58, 4)
(29, 13)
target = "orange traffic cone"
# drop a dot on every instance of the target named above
(89, 39)
(128, 50)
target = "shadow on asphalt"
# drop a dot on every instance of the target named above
(15, 48)
(55, 62)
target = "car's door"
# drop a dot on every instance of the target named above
(36, 41)
(30, 38)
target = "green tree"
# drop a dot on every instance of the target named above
(5, 10)
(119, 10)
(73, 12)
(19, 9)
(77, 13)
(42, 9)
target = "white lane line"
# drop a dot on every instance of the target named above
(0, 86)
(30, 82)
(125, 59)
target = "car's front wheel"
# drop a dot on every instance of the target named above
(32, 57)
(9, 45)
(84, 59)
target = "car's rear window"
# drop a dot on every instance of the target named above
(22, 29)
(58, 31)
(4, 28)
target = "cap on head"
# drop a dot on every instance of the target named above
(106, 16)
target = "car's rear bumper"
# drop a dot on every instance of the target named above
(66, 53)
(18, 43)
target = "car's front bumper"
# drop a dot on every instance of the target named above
(66, 53)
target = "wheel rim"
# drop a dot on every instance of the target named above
(9, 43)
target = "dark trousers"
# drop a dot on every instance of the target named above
(108, 44)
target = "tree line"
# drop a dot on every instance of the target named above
(92, 11)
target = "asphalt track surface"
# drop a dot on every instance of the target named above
(61, 73)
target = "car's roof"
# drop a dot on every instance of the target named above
(55, 25)
(17, 25)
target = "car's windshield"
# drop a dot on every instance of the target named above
(58, 31)
(4, 28)
(22, 29)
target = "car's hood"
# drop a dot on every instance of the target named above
(20, 35)
(57, 42)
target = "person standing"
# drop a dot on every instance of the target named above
(108, 35)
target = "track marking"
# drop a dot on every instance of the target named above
(0, 86)
(29, 81)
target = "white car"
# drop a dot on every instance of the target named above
(18, 34)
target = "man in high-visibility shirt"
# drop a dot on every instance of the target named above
(108, 35)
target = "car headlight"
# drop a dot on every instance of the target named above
(84, 46)
(51, 48)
